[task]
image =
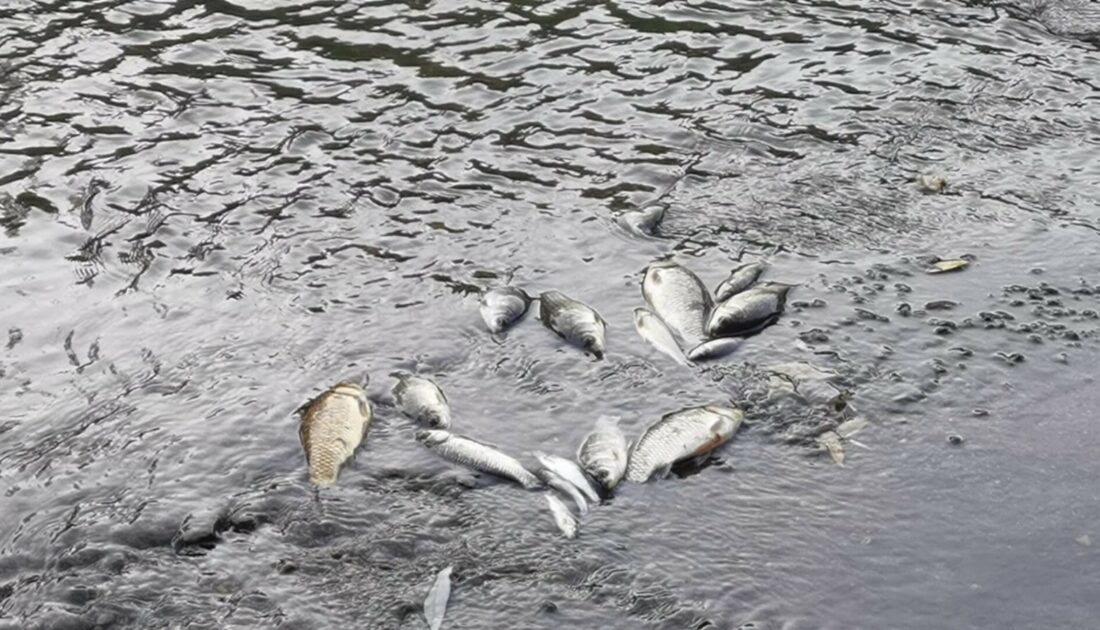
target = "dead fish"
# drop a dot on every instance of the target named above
(569, 470)
(748, 310)
(603, 452)
(833, 441)
(715, 348)
(741, 277)
(473, 454)
(943, 266)
(564, 519)
(435, 604)
(502, 306)
(657, 334)
(555, 481)
(680, 436)
(645, 220)
(422, 400)
(930, 183)
(333, 426)
(573, 321)
(679, 298)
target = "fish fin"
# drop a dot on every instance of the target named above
(859, 444)
(662, 472)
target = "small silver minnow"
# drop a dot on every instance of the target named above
(833, 441)
(422, 400)
(502, 306)
(714, 348)
(435, 604)
(680, 436)
(574, 321)
(645, 220)
(473, 454)
(332, 427)
(564, 519)
(657, 334)
(555, 481)
(679, 298)
(748, 310)
(569, 470)
(741, 277)
(603, 452)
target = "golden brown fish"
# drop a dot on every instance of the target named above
(333, 426)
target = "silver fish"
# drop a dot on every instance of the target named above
(573, 321)
(435, 604)
(333, 426)
(679, 436)
(500, 307)
(714, 348)
(656, 333)
(748, 310)
(473, 454)
(833, 441)
(645, 220)
(679, 298)
(603, 453)
(741, 277)
(564, 519)
(555, 481)
(569, 470)
(422, 400)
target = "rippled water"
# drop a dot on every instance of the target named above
(212, 210)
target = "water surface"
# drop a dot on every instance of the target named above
(213, 210)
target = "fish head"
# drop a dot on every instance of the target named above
(438, 419)
(432, 437)
(355, 390)
(593, 343)
(718, 323)
(729, 422)
(604, 475)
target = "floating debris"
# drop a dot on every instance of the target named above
(645, 220)
(435, 604)
(931, 183)
(955, 439)
(944, 266)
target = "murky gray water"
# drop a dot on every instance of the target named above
(214, 209)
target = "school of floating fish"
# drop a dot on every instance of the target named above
(681, 319)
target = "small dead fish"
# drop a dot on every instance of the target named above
(603, 453)
(555, 481)
(679, 298)
(715, 348)
(657, 334)
(332, 427)
(930, 183)
(645, 220)
(574, 321)
(944, 266)
(435, 604)
(473, 454)
(833, 441)
(422, 400)
(564, 519)
(500, 307)
(748, 310)
(569, 470)
(741, 277)
(679, 436)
